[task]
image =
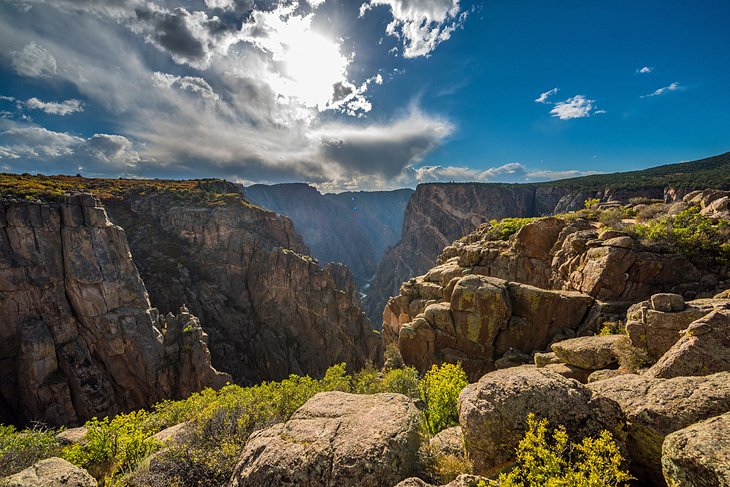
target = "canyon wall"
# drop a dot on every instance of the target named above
(78, 336)
(269, 308)
(353, 228)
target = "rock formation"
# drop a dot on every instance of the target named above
(438, 214)
(51, 472)
(703, 349)
(336, 439)
(79, 337)
(269, 308)
(656, 328)
(654, 408)
(553, 279)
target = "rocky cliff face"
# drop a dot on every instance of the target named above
(438, 214)
(78, 336)
(270, 309)
(351, 228)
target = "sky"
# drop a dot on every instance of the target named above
(366, 94)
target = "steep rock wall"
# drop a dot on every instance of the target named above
(352, 228)
(270, 309)
(78, 336)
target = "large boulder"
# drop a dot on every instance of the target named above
(656, 330)
(493, 412)
(51, 472)
(591, 352)
(703, 349)
(654, 408)
(336, 439)
(699, 455)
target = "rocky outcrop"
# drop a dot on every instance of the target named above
(336, 439)
(566, 277)
(494, 410)
(463, 480)
(476, 319)
(654, 408)
(438, 214)
(703, 349)
(78, 336)
(51, 472)
(448, 442)
(655, 326)
(699, 455)
(270, 310)
(352, 228)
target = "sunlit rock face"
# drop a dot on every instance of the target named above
(79, 336)
(554, 278)
(438, 214)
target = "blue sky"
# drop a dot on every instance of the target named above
(364, 94)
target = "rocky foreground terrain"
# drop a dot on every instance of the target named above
(607, 327)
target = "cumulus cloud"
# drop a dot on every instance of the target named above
(34, 61)
(55, 108)
(645, 70)
(421, 25)
(576, 107)
(543, 98)
(666, 89)
(190, 37)
(31, 147)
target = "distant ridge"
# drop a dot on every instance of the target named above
(711, 172)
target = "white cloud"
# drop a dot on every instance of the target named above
(34, 61)
(55, 108)
(421, 25)
(260, 127)
(194, 84)
(577, 107)
(645, 70)
(543, 98)
(666, 89)
(32, 147)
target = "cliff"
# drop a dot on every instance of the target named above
(78, 336)
(269, 308)
(353, 228)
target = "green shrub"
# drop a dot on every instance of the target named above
(613, 328)
(21, 449)
(403, 381)
(506, 227)
(440, 389)
(595, 462)
(113, 447)
(703, 240)
(590, 203)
